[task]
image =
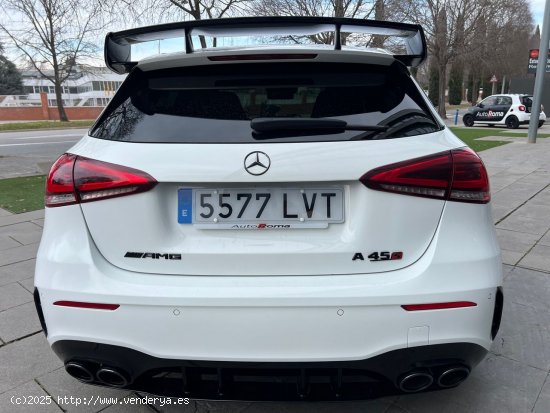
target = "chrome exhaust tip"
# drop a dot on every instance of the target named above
(453, 376)
(112, 377)
(79, 371)
(415, 381)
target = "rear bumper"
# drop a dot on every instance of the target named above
(198, 379)
(274, 319)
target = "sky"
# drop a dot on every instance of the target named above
(537, 8)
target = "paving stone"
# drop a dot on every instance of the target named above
(510, 257)
(25, 359)
(395, 409)
(16, 218)
(517, 222)
(17, 272)
(516, 241)
(516, 194)
(536, 211)
(538, 258)
(542, 198)
(38, 222)
(12, 401)
(524, 335)
(12, 295)
(494, 170)
(169, 405)
(537, 177)
(19, 322)
(370, 406)
(501, 181)
(545, 240)
(528, 287)
(23, 232)
(497, 384)
(506, 270)
(7, 242)
(22, 253)
(28, 284)
(132, 408)
(543, 402)
(60, 384)
(205, 406)
(500, 212)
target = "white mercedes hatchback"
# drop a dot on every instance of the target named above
(269, 222)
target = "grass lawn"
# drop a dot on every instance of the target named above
(22, 194)
(469, 136)
(54, 124)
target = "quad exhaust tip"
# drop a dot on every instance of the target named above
(453, 376)
(416, 381)
(112, 377)
(79, 372)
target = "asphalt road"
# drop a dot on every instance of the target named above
(32, 152)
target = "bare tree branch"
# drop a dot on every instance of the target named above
(52, 35)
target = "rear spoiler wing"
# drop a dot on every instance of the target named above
(118, 56)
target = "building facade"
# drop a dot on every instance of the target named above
(86, 86)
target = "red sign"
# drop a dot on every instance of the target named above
(534, 59)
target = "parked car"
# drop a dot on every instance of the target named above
(511, 110)
(269, 223)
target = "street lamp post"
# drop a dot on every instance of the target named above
(541, 70)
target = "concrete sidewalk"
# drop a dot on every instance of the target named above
(513, 378)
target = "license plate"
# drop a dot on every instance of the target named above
(260, 208)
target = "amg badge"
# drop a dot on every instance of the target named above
(153, 255)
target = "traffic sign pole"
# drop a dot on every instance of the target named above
(539, 79)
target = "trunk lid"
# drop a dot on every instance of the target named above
(374, 221)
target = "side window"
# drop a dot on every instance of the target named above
(490, 101)
(504, 100)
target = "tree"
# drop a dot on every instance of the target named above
(52, 35)
(358, 9)
(433, 86)
(441, 20)
(456, 76)
(10, 77)
(455, 84)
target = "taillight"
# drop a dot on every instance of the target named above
(457, 175)
(74, 179)
(521, 108)
(470, 180)
(59, 185)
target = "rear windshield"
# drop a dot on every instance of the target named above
(216, 103)
(527, 100)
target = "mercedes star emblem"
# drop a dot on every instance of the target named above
(257, 163)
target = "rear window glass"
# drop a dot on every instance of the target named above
(527, 100)
(216, 103)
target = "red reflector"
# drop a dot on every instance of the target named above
(438, 306)
(95, 306)
(263, 56)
